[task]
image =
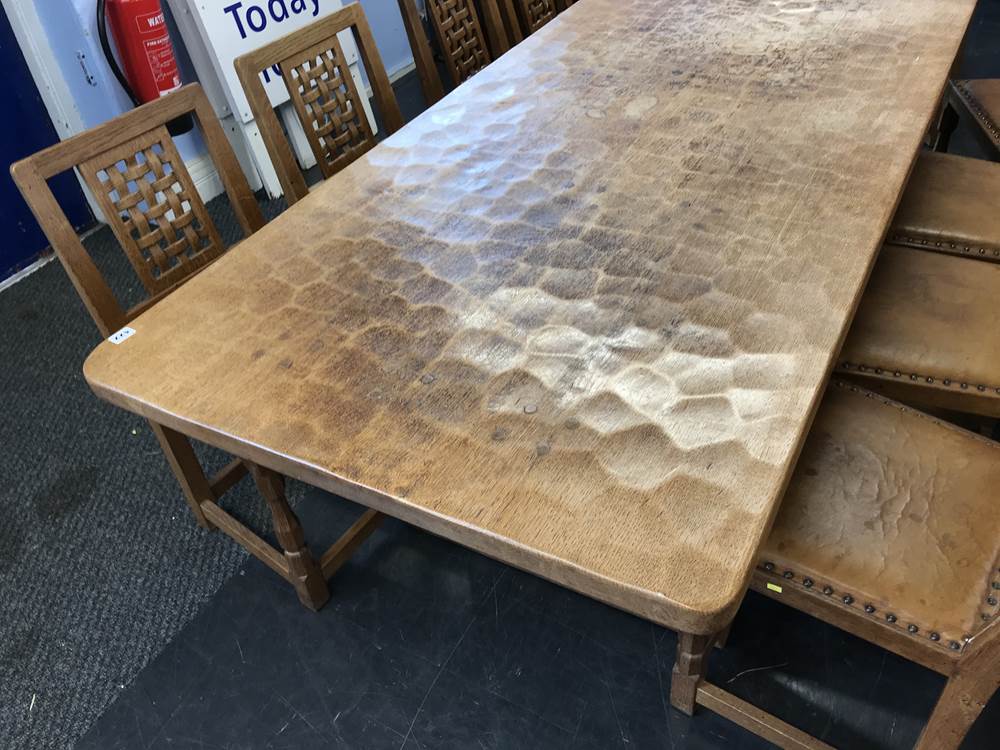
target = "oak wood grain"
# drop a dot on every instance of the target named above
(578, 315)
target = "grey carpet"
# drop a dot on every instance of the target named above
(100, 561)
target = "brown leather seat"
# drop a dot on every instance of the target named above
(980, 97)
(951, 205)
(928, 329)
(893, 514)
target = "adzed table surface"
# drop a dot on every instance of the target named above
(579, 314)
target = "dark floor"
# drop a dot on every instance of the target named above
(428, 645)
(424, 644)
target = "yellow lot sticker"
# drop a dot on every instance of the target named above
(774, 587)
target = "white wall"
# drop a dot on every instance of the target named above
(390, 35)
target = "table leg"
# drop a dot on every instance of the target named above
(304, 572)
(186, 467)
(947, 124)
(723, 637)
(690, 667)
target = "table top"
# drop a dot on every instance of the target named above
(579, 314)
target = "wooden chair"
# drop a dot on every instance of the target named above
(510, 21)
(324, 94)
(132, 167)
(534, 14)
(468, 43)
(926, 332)
(889, 530)
(135, 172)
(979, 100)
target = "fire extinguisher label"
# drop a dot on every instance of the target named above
(150, 23)
(160, 55)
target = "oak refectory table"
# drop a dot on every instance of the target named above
(579, 314)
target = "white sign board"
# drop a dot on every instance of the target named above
(231, 28)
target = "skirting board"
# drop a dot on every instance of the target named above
(27, 271)
(205, 177)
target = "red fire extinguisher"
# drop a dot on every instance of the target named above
(140, 33)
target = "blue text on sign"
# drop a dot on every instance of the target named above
(255, 18)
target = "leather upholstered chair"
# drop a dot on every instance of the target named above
(978, 100)
(926, 332)
(951, 205)
(889, 530)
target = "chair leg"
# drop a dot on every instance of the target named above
(186, 467)
(690, 667)
(962, 700)
(305, 573)
(947, 126)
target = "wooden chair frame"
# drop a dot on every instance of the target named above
(305, 46)
(491, 30)
(510, 21)
(973, 672)
(85, 152)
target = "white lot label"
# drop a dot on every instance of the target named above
(120, 336)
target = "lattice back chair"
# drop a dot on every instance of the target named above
(324, 94)
(135, 172)
(536, 13)
(132, 166)
(470, 33)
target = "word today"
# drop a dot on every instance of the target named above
(255, 18)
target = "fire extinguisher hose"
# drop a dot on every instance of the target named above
(177, 126)
(102, 32)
